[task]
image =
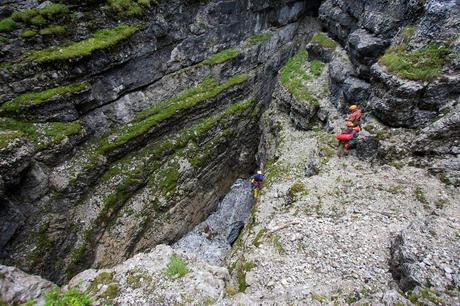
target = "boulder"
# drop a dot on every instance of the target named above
(17, 287)
(426, 254)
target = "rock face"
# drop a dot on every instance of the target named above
(17, 287)
(425, 254)
(124, 141)
(134, 143)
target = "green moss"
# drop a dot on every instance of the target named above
(38, 21)
(42, 245)
(53, 10)
(324, 41)
(165, 110)
(258, 38)
(422, 64)
(6, 136)
(408, 32)
(72, 297)
(318, 297)
(136, 277)
(420, 195)
(103, 278)
(316, 67)
(221, 57)
(169, 178)
(36, 98)
(177, 267)
(99, 40)
(276, 241)
(53, 30)
(296, 189)
(24, 16)
(242, 267)
(257, 241)
(293, 76)
(42, 135)
(28, 34)
(130, 8)
(7, 24)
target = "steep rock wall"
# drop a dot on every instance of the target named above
(137, 140)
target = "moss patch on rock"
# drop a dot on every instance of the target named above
(99, 40)
(42, 135)
(257, 38)
(222, 57)
(167, 109)
(37, 98)
(293, 77)
(7, 25)
(323, 41)
(130, 8)
(420, 65)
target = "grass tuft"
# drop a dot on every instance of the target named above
(221, 57)
(324, 41)
(177, 267)
(36, 98)
(99, 40)
(419, 65)
(72, 297)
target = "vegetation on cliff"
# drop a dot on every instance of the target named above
(99, 40)
(420, 65)
(294, 74)
(37, 98)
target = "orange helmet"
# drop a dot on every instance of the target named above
(353, 107)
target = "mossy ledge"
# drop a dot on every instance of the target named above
(42, 135)
(99, 40)
(222, 57)
(147, 119)
(422, 64)
(324, 41)
(131, 179)
(36, 98)
(293, 76)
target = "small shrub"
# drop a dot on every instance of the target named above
(28, 34)
(324, 41)
(419, 65)
(221, 57)
(316, 67)
(7, 24)
(53, 30)
(72, 297)
(177, 267)
(242, 268)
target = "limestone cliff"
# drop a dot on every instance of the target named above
(111, 153)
